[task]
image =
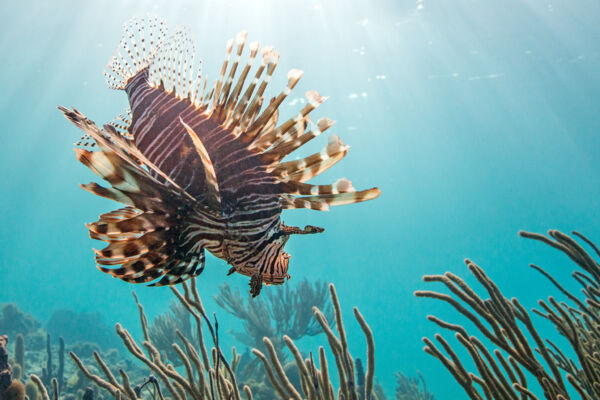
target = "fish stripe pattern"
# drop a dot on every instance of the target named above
(202, 168)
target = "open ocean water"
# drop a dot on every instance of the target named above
(475, 118)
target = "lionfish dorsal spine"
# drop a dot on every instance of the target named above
(267, 139)
(297, 137)
(293, 77)
(224, 99)
(249, 110)
(229, 110)
(239, 105)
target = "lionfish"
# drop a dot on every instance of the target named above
(202, 169)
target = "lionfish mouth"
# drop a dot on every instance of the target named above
(202, 167)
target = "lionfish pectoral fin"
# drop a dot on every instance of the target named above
(144, 238)
(212, 186)
(340, 199)
(313, 229)
(141, 250)
(294, 230)
(182, 269)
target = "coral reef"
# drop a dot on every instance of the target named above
(207, 374)
(502, 355)
(31, 390)
(360, 381)
(520, 350)
(46, 359)
(81, 327)
(47, 366)
(163, 331)
(41, 389)
(48, 372)
(411, 388)
(86, 349)
(17, 325)
(14, 321)
(5, 372)
(11, 388)
(314, 379)
(16, 391)
(20, 355)
(285, 311)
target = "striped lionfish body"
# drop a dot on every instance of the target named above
(202, 169)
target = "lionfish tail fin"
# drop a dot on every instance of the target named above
(144, 237)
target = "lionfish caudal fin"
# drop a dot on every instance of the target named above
(235, 101)
(142, 236)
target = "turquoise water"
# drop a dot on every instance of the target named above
(476, 119)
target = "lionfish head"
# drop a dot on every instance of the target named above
(270, 267)
(275, 263)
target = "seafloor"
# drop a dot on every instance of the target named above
(179, 356)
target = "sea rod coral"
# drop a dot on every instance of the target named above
(163, 331)
(284, 311)
(207, 374)
(315, 382)
(521, 353)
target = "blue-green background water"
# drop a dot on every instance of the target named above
(474, 118)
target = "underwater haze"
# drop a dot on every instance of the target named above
(475, 119)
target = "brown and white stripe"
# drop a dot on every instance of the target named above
(202, 170)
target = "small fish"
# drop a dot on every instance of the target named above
(201, 169)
